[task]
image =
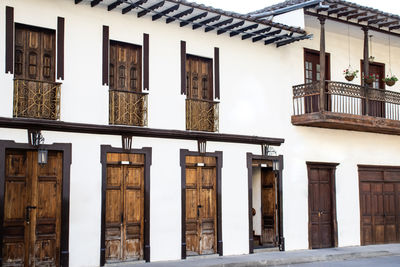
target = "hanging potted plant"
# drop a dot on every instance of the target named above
(350, 74)
(390, 80)
(370, 79)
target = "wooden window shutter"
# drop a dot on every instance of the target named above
(106, 42)
(183, 67)
(60, 48)
(9, 39)
(216, 70)
(145, 61)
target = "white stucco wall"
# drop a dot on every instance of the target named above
(256, 99)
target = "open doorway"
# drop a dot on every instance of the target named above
(265, 203)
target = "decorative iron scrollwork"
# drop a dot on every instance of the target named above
(202, 115)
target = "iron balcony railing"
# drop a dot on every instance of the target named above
(36, 99)
(128, 108)
(348, 99)
(202, 115)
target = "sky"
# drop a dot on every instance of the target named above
(240, 6)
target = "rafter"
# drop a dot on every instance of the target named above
(114, 5)
(95, 3)
(77, 1)
(219, 24)
(337, 10)
(230, 27)
(180, 15)
(250, 34)
(277, 38)
(133, 6)
(258, 38)
(165, 12)
(200, 16)
(149, 9)
(395, 27)
(366, 18)
(357, 15)
(346, 13)
(205, 22)
(243, 30)
(387, 23)
(375, 21)
(294, 39)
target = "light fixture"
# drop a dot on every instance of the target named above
(275, 165)
(42, 156)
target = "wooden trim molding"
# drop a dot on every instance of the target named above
(183, 68)
(250, 157)
(218, 156)
(147, 152)
(59, 126)
(146, 62)
(9, 40)
(65, 195)
(60, 47)
(216, 72)
(106, 45)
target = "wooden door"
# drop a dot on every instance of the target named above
(201, 205)
(199, 78)
(268, 207)
(125, 67)
(34, 53)
(379, 206)
(124, 228)
(32, 209)
(321, 206)
(376, 107)
(312, 74)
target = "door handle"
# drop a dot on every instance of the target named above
(28, 212)
(198, 210)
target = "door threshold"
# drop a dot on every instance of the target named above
(123, 263)
(207, 256)
(265, 249)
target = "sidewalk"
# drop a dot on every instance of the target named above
(278, 258)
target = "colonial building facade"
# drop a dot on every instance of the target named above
(161, 130)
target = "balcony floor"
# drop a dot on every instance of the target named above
(332, 120)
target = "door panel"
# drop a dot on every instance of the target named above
(201, 206)
(124, 207)
(199, 78)
(32, 214)
(321, 209)
(268, 204)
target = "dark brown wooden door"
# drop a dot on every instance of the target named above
(379, 205)
(124, 227)
(34, 53)
(199, 78)
(268, 207)
(312, 74)
(376, 108)
(125, 67)
(321, 206)
(201, 205)
(32, 209)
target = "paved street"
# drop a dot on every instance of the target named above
(387, 261)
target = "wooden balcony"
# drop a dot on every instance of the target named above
(202, 115)
(36, 99)
(347, 107)
(128, 108)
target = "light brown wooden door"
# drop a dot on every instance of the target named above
(379, 205)
(268, 207)
(125, 67)
(199, 78)
(321, 210)
(32, 209)
(201, 205)
(124, 229)
(34, 53)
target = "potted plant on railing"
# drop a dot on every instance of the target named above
(390, 80)
(350, 74)
(370, 79)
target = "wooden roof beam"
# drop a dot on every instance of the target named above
(395, 27)
(250, 34)
(177, 16)
(165, 12)
(200, 16)
(205, 22)
(149, 9)
(277, 38)
(230, 27)
(387, 23)
(356, 15)
(114, 5)
(95, 3)
(366, 18)
(375, 21)
(336, 10)
(133, 6)
(294, 39)
(258, 38)
(346, 13)
(77, 1)
(219, 24)
(243, 30)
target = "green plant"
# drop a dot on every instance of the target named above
(349, 72)
(392, 78)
